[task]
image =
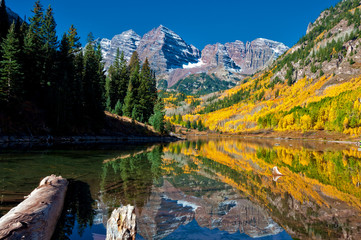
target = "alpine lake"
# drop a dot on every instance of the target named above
(199, 189)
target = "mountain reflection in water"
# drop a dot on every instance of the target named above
(221, 189)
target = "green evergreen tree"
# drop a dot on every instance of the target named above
(114, 80)
(93, 84)
(129, 101)
(137, 113)
(200, 125)
(33, 55)
(194, 124)
(134, 62)
(49, 48)
(63, 91)
(188, 124)
(157, 119)
(11, 81)
(147, 93)
(20, 30)
(168, 127)
(4, 20)
(74, 39)
(118, 108)
(123, 78)
(101, 74)
(79, 110)
(107, 105)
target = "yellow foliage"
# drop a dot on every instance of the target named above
(243, 116)
(251, 160)
(346, 122)
(321, 35)
(286, 122)
(306, 122)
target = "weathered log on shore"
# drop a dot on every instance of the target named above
(121, 225)
(36, 217)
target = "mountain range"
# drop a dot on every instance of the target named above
(13, 17)
(314, 86)
(173, 59)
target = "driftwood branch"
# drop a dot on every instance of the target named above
(36, 217)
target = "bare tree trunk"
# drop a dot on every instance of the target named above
(36, 217)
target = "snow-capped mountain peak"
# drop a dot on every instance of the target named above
(172, 58)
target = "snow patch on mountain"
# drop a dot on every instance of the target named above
(200, 63)
(173, 59)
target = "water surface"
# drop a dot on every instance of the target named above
(201, 189)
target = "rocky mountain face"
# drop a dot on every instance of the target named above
(246, 58)
(13, 17)
(173, 59)
(127, 42)
(166, 50)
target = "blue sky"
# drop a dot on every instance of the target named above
(198, 22)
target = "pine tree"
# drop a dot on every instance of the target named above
(147, 93)
(79, 110)
(74, 39)
(157, 119)
(200, 125)
(118, 108)
(50, 40)
(194, 124)
(129, 101)
(123, 78)
(101, 79)
(4, 20)
(63, 89)
(137, 112)
(188, 124)
(93, 83)
(33, 55)
(134, 62)
(114, 80)
(11, 81)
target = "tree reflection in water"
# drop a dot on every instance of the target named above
(130, 180)
(77, 208)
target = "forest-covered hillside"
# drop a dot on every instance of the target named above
(57, 86)
(316, 85)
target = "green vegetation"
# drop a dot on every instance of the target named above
(138, 173)
(172, 97)
(65, 82)
(201, 84)
(199, 125)
(157, 119)
(131, 91)
(227, 101)
(162, 84)
(341, 178)
(331, 113)
(309, 54)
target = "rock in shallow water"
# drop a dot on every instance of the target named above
(121, 225)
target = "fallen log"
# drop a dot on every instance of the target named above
(36, 217)
(121, 225)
